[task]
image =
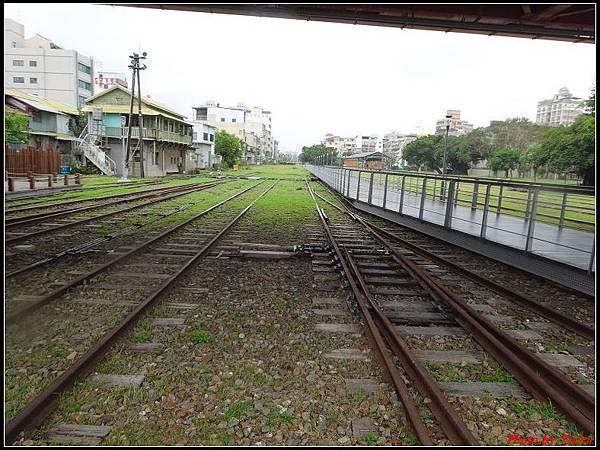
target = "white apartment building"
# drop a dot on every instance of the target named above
(203, 142)
(37, 66)
(394, 143)
(367, 144)
(344, 145)
(251, 124)
(562, 109)
(457, 126)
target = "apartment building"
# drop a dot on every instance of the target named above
(251, 124)
(367, 144)
(203, 142)
(561, 109)
(344, 145)
(167, 136)
(457, 126)
(393, 145)
(40, 67)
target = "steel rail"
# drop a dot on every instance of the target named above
(554, 316)
(15, 316)
(89, 245)
(41, 406)
(410, 407)
(179, 193)
(535, 375)
(35, 218)
(540, 379)
(37, 199)
(449, 420)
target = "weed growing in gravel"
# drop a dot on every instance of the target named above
(531, 409)
(275, 416)
(69, 404)
(370, 438)
(468, 372)
(142, 333)
(238, 410)
(199, 337)
(411, 440)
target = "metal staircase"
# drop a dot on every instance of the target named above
(86, 143)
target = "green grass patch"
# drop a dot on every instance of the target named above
(238, 410)
(142, 333)
(199, 337)
(528, 410)
(491, 373)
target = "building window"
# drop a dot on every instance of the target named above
(83, 68)
(33, 80)
(233, 120)
(85, 85)
(206, 136)
(32, 63)
(18, 62)
(212, 138)
(156, 158)
(36, 116)
(81, 101)
(222, 119)
(18, 80)
(201, 113)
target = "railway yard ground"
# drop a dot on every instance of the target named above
(255, 307)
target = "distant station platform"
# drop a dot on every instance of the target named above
(22, 187)
(554, 251)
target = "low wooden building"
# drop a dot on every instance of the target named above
(370, 160)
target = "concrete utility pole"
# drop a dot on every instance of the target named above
(443, 184)
(135, 69)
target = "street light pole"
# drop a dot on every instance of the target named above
(443, 184)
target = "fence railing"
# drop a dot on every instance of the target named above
(549, 220)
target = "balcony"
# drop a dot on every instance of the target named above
(148, 133)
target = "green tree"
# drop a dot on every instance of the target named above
(229, 147)
(516, 133)
(312, 153)
(423, 152)
(506, 159)
(590, 103)
(572, 149)
(535, 158)
(15, 127)
(78, 123)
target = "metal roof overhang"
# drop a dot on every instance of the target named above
(574, 23)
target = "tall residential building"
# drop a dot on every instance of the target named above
(393, 145)
(38, 66)
(104, 80)
(366, 144)
(251, 124)
(562, 109)
(457, 126)
(344, 145)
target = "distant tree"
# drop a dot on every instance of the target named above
(590, 103)
(15, 127)
(229, 147)
(477, 144)
(506, 159)
(535, 158)
(516, 133)
(423, 152)
(78, 123)
(313, 153)
(572, 149)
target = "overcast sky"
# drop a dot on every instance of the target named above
(319, 77)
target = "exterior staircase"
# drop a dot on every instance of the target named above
(86, 143)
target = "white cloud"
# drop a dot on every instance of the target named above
(319, 77)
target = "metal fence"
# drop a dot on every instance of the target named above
(556, 222)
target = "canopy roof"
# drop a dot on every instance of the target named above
(41, 103)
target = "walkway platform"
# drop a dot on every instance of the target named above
(563, 255)
(22, 189)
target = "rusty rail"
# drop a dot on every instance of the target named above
(43, 404)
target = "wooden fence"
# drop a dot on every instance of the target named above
(28, 159)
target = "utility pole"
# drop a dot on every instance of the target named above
(443, 186)
(135, 68)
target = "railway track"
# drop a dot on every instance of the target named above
(32, 219)
(437, 254)
(174, 251)
(376, 268)
(32, 233)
